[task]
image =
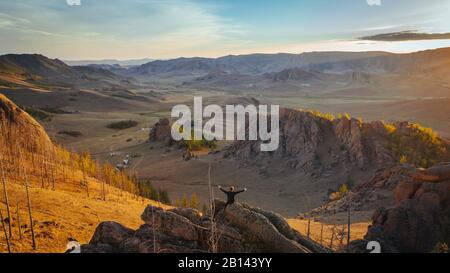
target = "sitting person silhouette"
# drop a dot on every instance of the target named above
(231, 194)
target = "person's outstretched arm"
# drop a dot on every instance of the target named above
(220, 188)
(241, 191)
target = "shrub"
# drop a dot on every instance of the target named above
(343, 189)
(417, 145)
(147, 190)
(197, 145)
(327, 116)
(54, 110)
(403, 159)
(441, 248)
(350, 182)
(340, 193)
(194, 203)
(122, 125)
(38, 113)
(70, 133)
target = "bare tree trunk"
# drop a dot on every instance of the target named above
(46, 164)
(6, 233)
(348, 229)
(308, 232)
(33, 241)
(321, 235)
(42, 173)
(332, 236)
(155, 243)
(5, 191)
(85, 182)
(18, 220)
(103, 177)
(122, 182)
(341, 242)
(53, 164)
(53, 175)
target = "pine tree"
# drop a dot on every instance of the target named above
(184, 201)
(194, 203)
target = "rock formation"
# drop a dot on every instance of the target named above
(380, 190)
(309, 139)
(419, 220)
(240, 229)
(161, 132)
(306, 136)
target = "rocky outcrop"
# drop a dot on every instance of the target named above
(318, 144)
(380, 190)
(437, 173)
(161, 132)
(348, 131)
(239, 229)
(419, 221)
(312, 140)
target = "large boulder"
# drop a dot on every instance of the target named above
(170, 223)
(260, 230)
(239, 229)
(107, 237)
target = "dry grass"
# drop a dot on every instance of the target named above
(358, 230)
(68, 213)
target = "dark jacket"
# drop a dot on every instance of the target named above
(231, 195)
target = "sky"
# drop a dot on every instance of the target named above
(161, 29)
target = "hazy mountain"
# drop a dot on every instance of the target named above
(254, 64)
(123, 63)
(432, 61)
(34, 65)
(38, 71)
(331, 62)
(296, 74)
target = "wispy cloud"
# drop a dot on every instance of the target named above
(171, 28)
(8, 21)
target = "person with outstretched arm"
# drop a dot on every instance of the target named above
(231, 194)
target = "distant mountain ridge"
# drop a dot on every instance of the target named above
(253, 64)
(256, 64)
(123, 63)
(290, 71)
(34, 69)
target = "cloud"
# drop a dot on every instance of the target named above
(123, 29)
(374, 2)
(407, 36)
(9, 21)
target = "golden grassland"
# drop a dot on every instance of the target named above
(322, 233)
(67, 212)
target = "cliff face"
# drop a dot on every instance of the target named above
(308, 138)
(240, 229)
